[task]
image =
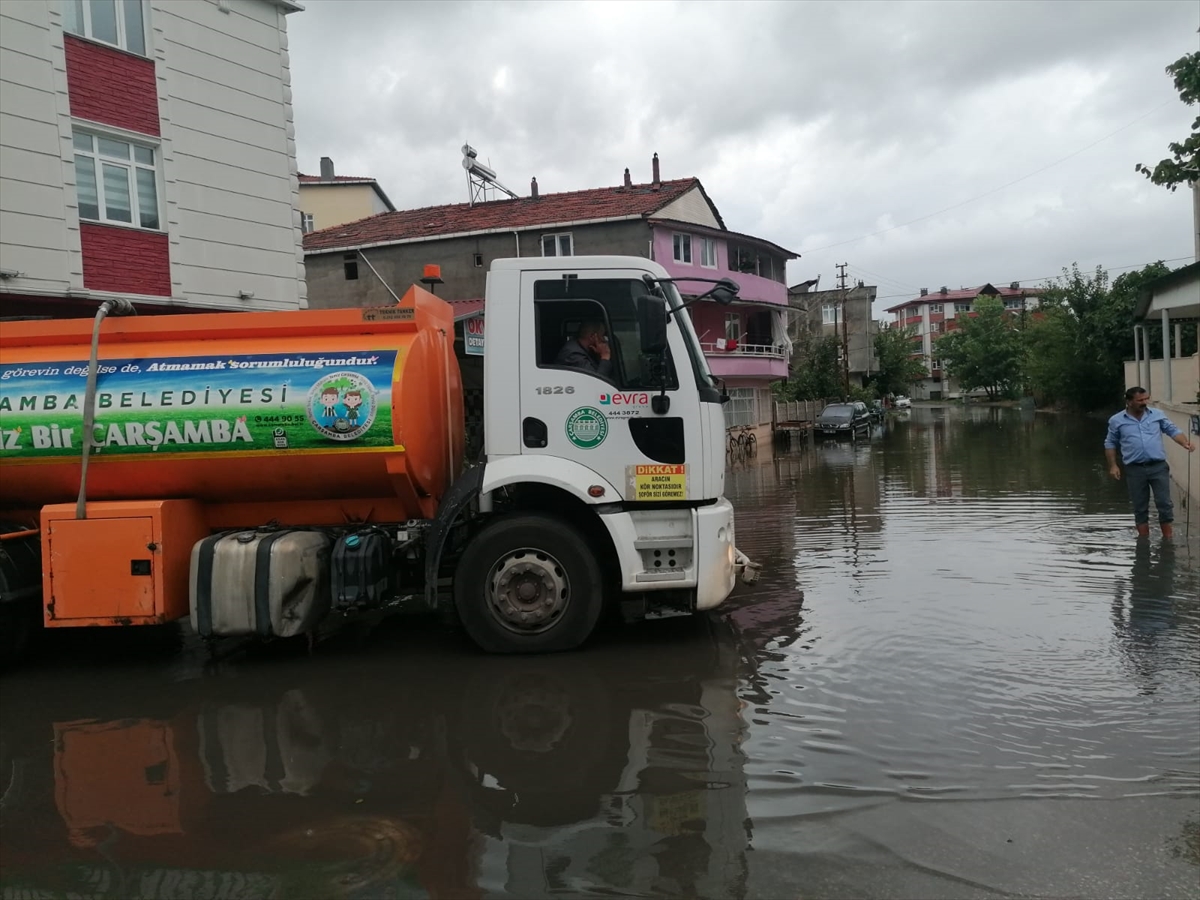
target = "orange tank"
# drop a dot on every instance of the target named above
(309, 417)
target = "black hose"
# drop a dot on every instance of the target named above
(117, 306)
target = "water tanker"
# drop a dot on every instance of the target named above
(255, 472)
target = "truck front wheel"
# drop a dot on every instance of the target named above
(528, 584)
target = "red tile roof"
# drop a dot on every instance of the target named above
(964, 294)
(336, 179)
(464, 309)
(639, 200)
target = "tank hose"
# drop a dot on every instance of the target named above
(117, 306)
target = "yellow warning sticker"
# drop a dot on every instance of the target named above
(656, 482)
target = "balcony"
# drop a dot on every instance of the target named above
(746, 360)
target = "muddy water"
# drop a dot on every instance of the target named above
(959, 676)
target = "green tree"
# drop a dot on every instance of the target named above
(818, 375)
(896, 367)
(987, 351)
(1083, 332)
(1183, 166)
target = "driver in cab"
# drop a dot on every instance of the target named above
(588, 350)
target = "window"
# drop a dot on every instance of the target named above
(935, 307)
(477, 259)
(733, 327)
(561, 306)
(683, 248)
(708, 253)
(350, 266)
(741, 408)
(1013, 303)
(306, 222)
(116, 181)
(962, 307)
(935, 366)
(557, 245)
(829, 314)
(121, 23)
(935, 327)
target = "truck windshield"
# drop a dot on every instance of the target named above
(700, 368)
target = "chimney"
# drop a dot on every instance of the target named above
(326, 169)
(533, 189)
(944, 290)
(656, 181)
(628, 180)
(1016, 285)
(924, 292)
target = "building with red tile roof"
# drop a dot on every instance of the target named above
(672, 221)
(329, 199)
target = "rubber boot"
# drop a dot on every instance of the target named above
(1143, 530)
(1168, 530)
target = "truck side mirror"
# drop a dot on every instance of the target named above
(652, 324)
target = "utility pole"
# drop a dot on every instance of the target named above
(841, 267)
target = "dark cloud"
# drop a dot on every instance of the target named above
(810, 124)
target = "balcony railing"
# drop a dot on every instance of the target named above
(761, 351)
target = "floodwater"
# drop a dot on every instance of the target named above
(959, 676)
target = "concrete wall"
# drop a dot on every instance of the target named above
(1185, 378)
(1180, 460)
(232, 193)
(401, 265)
(35, 153)
(336, 204)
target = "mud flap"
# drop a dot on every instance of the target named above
(454, 501)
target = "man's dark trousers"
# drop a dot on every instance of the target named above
(1142, 478)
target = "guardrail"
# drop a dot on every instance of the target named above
(769, 351)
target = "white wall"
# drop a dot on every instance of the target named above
(691, 207)
(34, 142)
(230, 153)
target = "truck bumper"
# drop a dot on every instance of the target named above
(675, 549)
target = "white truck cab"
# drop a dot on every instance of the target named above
(595, 486)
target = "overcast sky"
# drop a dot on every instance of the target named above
(812, 125)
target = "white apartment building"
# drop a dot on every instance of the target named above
(147, 150)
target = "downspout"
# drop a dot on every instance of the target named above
(117, 306)
(517, 240)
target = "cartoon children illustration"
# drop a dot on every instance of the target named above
(352, 401)
(329, 399)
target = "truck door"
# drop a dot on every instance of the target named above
(606, 422)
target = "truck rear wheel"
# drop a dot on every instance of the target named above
(528, 584)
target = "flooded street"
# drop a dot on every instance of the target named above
(959, 676)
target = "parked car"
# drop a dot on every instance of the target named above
(843, 420)
(903, 402)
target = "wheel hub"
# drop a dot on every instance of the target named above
(528, 590)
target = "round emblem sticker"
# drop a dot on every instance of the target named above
(341, 406)
(587, 428)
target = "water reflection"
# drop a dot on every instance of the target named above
(412, 771)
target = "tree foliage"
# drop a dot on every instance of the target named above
(986, 352)
(1183, 166)
(1082, 334)
(818, 375)
(897, 370)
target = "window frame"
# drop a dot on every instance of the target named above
(833, 319)
(306, 222)
(131, 165)
(708, 246)
(557, 238)
(120, 8)
(734, 319)
(962, 307)
(935, 365)
(935, 308)
(681, 243)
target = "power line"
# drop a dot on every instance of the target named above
(995, 190)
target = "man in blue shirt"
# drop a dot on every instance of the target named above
(1137, 431)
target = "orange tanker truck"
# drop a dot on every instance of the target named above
(253, 473)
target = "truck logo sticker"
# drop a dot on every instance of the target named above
(268, 402)
(636, 398)
(342, 406)
(587, 428)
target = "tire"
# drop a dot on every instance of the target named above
(549, 557)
